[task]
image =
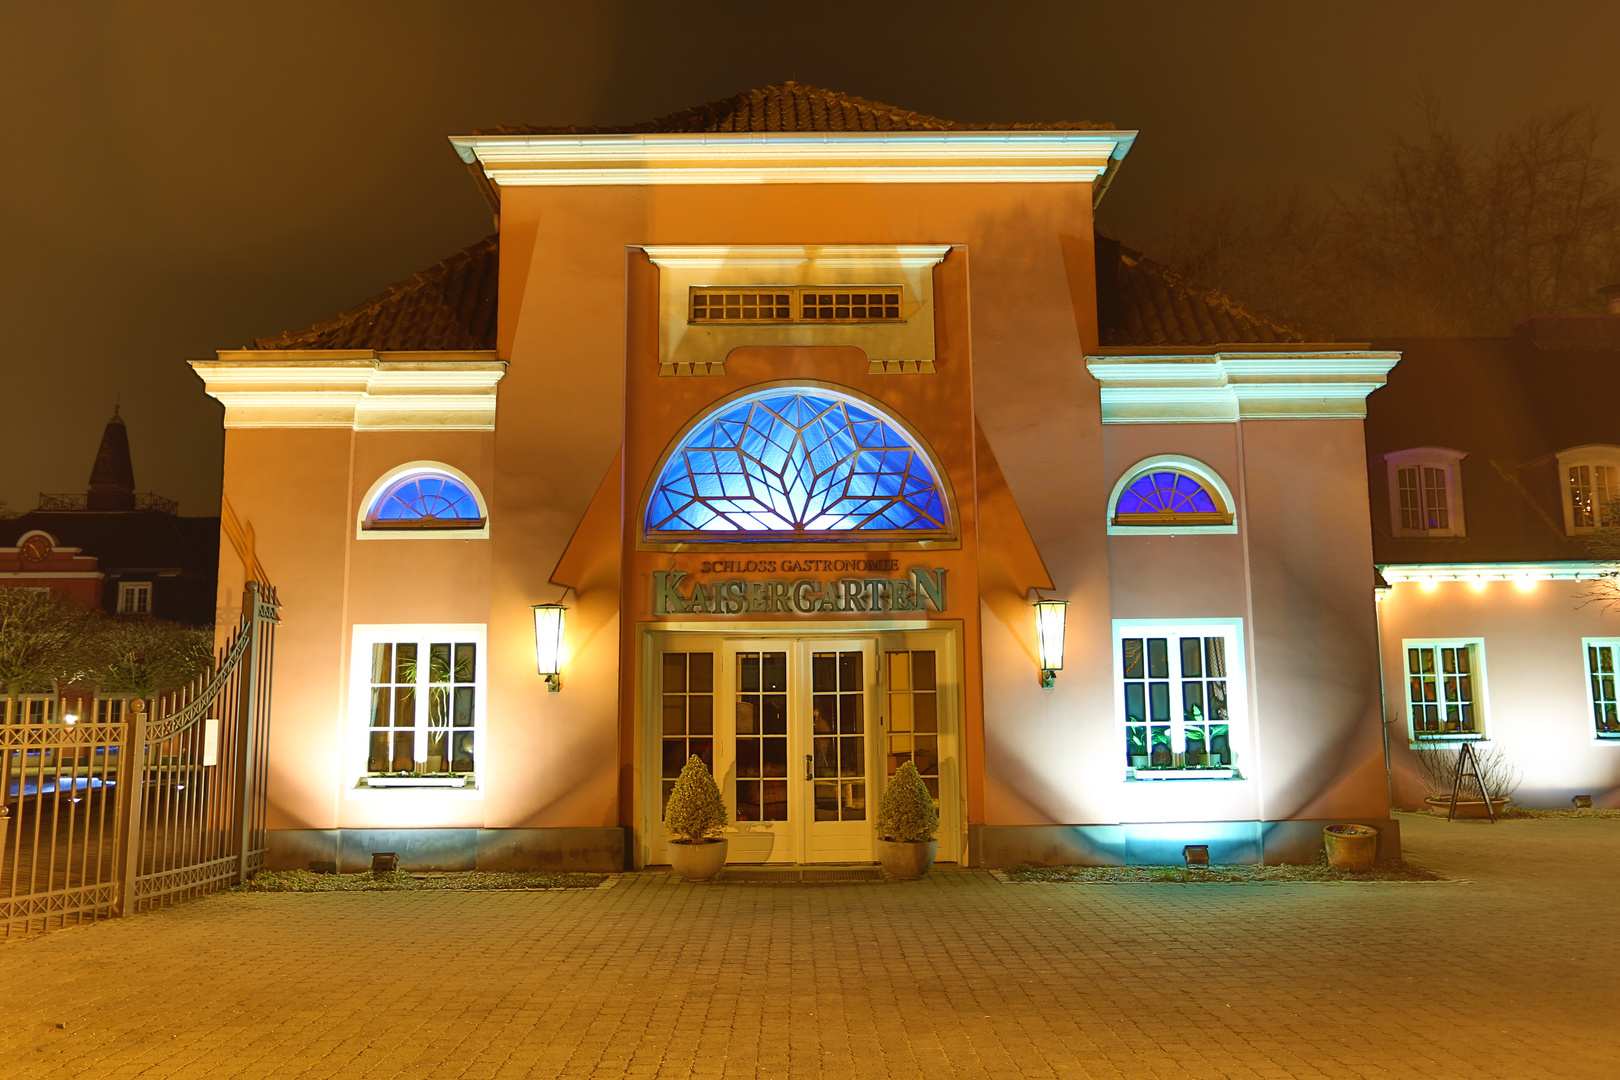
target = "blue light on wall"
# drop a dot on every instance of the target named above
(795, 462)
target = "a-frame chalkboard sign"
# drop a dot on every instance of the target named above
(1468, 766)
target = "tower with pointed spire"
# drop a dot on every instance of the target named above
(112, 478)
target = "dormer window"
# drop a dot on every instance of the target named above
(1591, 484)
(1424, 493)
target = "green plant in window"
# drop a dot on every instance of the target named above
(695, 811)
(906, 813)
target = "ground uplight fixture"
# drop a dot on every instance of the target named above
(1049, 617)
(548, 637)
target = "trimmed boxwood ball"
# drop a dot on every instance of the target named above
(695, 811)
(906, 812)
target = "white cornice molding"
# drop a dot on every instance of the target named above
(1430, 573)
(1221, 387)
(862, 157)
(354, 388)
(796, 256)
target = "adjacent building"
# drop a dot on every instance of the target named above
(757, 432)
(1493, 465)
(127, 553)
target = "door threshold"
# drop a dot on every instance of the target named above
(763, 874)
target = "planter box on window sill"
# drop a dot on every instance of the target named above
(1220, 773)
(417, 781)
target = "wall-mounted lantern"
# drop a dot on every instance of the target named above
(1049, 617)
(548, 637)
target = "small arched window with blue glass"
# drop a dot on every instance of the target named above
(1171, 493)
(424, 498)
(797, 463)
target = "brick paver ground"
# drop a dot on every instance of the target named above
(1510, 974)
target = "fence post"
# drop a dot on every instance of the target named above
(247, 707)
(131, 800)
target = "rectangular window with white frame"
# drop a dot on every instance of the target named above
(135, 598)
(1601, 656)
(419, 694)
(1445, 690)
(1180, 688)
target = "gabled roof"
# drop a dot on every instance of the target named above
(448, 306)
(1145, 303)
(790, 106)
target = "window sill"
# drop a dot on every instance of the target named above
(451, 782)
(1450, 741)
(1227, 773)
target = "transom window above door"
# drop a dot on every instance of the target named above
(423, 499)
(797, 463)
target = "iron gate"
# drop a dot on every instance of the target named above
(105, 819)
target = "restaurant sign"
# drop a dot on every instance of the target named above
(919, 590)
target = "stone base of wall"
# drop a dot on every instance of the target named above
(1160, 843)
(598, 850)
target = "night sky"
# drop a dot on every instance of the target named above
(181, 177)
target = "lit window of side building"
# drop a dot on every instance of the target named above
(711, 406)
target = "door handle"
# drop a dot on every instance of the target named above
(809, 771)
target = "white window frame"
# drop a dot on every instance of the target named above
(1611, 738)
(1449, 462)
(128, 591)
(1179, 463)
(1594, 456)
(1480, 699)
(373, 493)
(364, 637)
(1237, 672)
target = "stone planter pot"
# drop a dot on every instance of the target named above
(907, 861)
(1466, 808)
(699, 861)
(1351, 847)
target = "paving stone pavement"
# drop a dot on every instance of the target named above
(1509, 974)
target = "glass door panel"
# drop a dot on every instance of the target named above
(841, 684)
(688, 715)
(762, 736)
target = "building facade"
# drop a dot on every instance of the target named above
(1493, 467)
(786, 409)
(127, 553)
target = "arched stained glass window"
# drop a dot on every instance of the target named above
(795, 462)
(1169, 496)
(425, 499)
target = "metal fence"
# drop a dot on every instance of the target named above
(107, 819)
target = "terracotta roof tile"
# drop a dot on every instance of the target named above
(1142, 302)
(790, 106)
(449, 306)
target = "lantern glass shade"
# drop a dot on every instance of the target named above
(548, 637)
(1049, 620)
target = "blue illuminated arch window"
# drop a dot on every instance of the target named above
(1167, 493)
(425, 499)
(796, 462)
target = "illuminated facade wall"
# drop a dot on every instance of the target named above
(992, 383)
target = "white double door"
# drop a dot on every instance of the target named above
(790, 729)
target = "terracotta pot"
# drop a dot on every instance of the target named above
(906, 860)
(1466, 808)
(699, 861)
(1351, 847)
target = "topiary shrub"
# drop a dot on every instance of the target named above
(906, 812)
(695, 811)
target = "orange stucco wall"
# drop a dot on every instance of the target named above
(1011, 414)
